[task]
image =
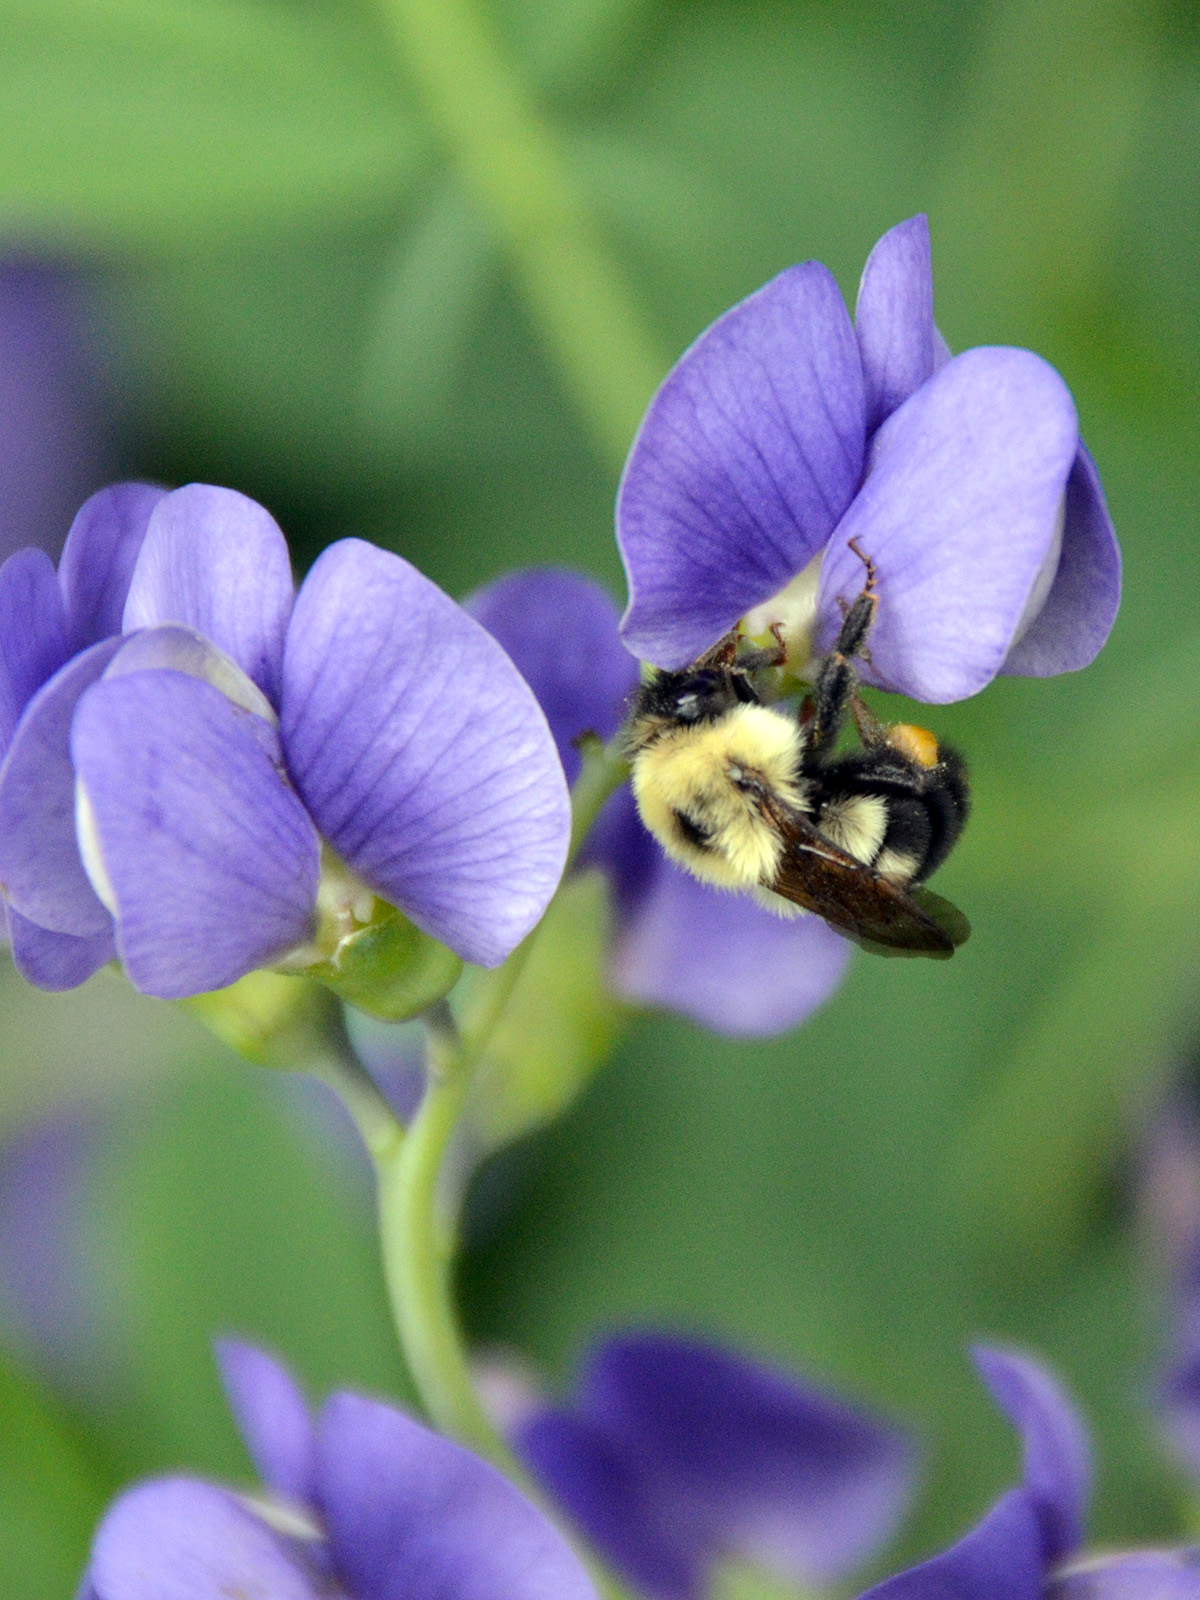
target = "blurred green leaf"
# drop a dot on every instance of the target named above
(145, 123)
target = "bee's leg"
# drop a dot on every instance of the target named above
(757, 660)
(721, 654)
(871, 731)
(836, 681)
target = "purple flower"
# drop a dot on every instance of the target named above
(718, 958)
(362, 1503)
(675, 1455)
(785, 431)
(1170, 1182)
(206, 771)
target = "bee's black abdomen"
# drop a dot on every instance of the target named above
(947, 800)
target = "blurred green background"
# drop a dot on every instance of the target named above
(300, 285)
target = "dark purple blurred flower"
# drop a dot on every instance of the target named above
(676, 1455)
(1170, 1195)
(785, 431)
(718, 958)
(184, 732)
(362, 1503)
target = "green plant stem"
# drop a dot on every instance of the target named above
(513, 163)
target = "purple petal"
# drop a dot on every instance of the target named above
(421, 752)
(560, 631)
(1000, 1559)
(746, 1460)
(412, 1516)
(894, 318)
(1141, 1575)
(273, 1417)
(748, 456)
(40, 867)
(211, 858)
(1057, 1467)
(614, 1503)
(98, 559)
(959, 512)
(215, 561)
(1080, 609)
(722, 960)
(56, 961)
(179, 1539)
(33, 633)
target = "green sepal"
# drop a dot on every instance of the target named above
(273, 1019)
(560, 1025)
(390, 969)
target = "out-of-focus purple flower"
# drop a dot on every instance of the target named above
(676, 1455)
(185, 734)
(718, 958)
(54, 444)
(361, 1502)
(785, 431)
(1170, 1195)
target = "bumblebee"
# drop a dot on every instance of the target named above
(747, 797)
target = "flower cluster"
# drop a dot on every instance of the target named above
(206, 772)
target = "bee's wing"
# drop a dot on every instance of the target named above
(877, 914)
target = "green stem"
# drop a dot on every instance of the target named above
(513, 162)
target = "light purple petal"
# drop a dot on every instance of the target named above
(723, 960)
(212, 859)
(421, 752)
(1141, 1575)
(215, 561)
(894, 318)
(1057, 1466)
(40, 868)
(98, 559)
(560, 630)
(748, 456)
(958, 512)
(33, 633)
(412, 1516)
(1082, 604)
(179, 1539)
(746, 1460)
(273, 1417)
(56, 961)
(1000, 1559)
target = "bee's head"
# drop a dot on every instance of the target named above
(686, 699)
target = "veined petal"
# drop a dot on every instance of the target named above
(958, 511)
(40, 867)
(413, 1516)
(894, 318)
(746, 460)
(33, 633)
(560, 631)
(1080, 609)
(421, 752)
(211, 858)
(180, 1539)
(56, 961)
(273, 1417)
(1000, 1559)
(722, 960)
(1057, 1466)
(98, 559)
(216, 561)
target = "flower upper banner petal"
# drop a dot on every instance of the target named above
(273, 1417)
(412, 1516)
(99, 557)
(746, 460)
(959, 511)
(40, 866)
(33, 633)
(216, 561)
(894, 318)
(560, 630)
(723, 960)
(1081, 607)
(56, 961)
(211, 858)
(1057, 1468)
(179, 1539)
(421, 752)
(1000, 1559)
